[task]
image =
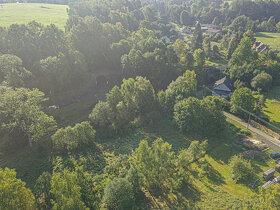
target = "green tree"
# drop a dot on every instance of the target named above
(185, 18)
(183, 87)
(72, 138)
(199, 57)
(188, 115)
(13, 193)
(243, 53)
(12, 72)
(243, 98)
(262, 81)
(42, 190)
(21, 109)
(118, 194)
(66, 192)
(179, 47)
(102, 115)
(240, 169)
(197, 38)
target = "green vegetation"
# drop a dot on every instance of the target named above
(272, 105)
(144, 144)
(271, 39)
(22, 13)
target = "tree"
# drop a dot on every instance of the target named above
(12, 72)
(21, 109)
(203, 117)
(216, 52)
(42, 190)
(118, 194)
(199, 57)
(242, 98)
(189, 59)
(101, 116)
(188, 115)
(179, 47)
(240, 168)
(144, 96)
(197, 38)
(262, 81)
(72, 138)
(13, 193)
(183, 87)
(243, 53)
(66, 192)
(185, 18)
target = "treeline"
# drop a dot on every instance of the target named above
(62, 2)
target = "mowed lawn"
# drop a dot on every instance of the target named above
(22, 13)
(271, 39)
(272, 108)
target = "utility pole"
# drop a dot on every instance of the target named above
(248, 121)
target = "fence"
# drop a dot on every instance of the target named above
(276, 135)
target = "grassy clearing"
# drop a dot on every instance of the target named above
(23, 13)
(271, 39)
(272, 106)
(74, 113)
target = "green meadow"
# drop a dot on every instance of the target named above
(22, 13)
(272, 106)
(271, 39)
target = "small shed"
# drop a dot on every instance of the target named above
(268, 174)
(267, 184)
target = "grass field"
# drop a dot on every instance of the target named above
(271, 39)
(272, 109)
(22, 13)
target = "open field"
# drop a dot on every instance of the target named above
(22, 13)
(271, 39)
(272, 108)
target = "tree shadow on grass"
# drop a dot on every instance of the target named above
(215, 177)
(264, 35)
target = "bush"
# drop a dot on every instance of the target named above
(71, 138)
(118, 194)
(240, 168)
(262, 81)
(101, 115)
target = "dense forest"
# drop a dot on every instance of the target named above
(132, 53)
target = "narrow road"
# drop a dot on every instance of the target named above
(268, 140)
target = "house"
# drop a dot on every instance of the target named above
(223, 88)
(260, 47)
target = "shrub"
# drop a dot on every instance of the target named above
(101, 115)
(118, 194)
(240, 168)
(71, 138)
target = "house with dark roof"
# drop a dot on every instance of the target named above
(223, 88)
(260, 47)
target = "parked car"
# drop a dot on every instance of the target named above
(275, 155)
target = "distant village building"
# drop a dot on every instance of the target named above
(223, 88)
(260, 47)
(208, 28)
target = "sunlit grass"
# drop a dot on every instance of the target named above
(22, 13)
